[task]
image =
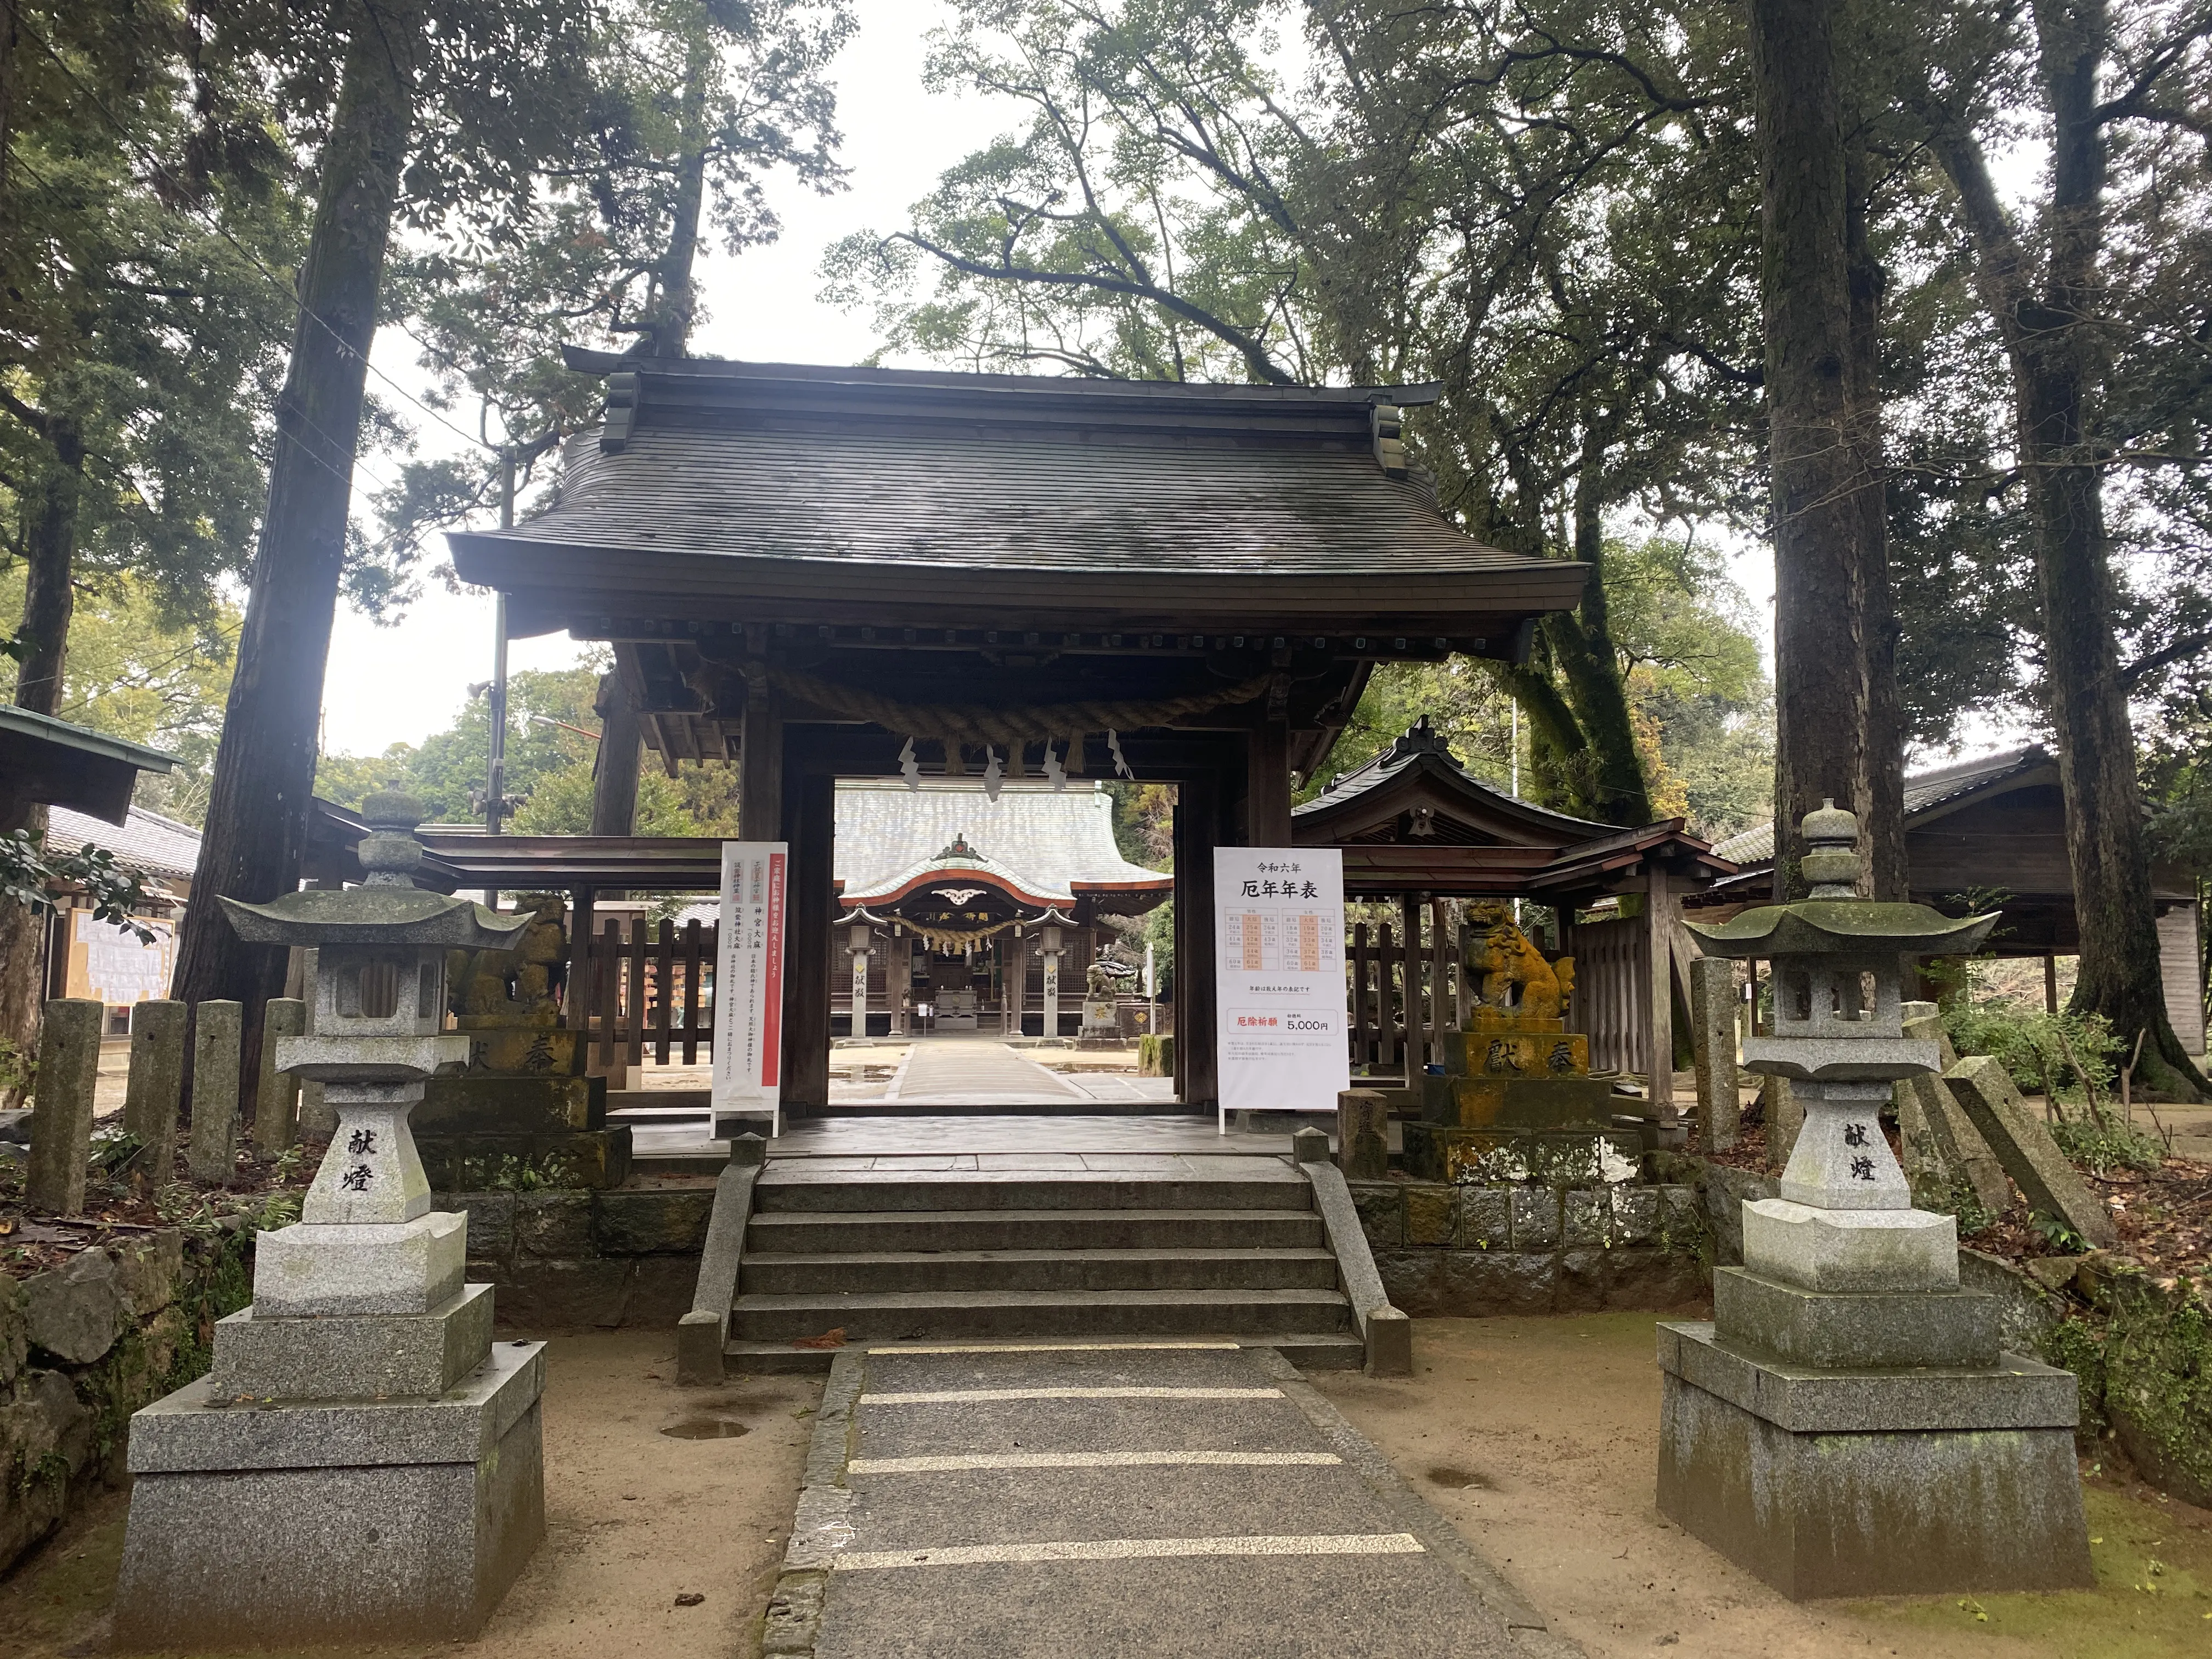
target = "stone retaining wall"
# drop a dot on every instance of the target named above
(564, 1259)
(1468, 1252)
(84, 1346)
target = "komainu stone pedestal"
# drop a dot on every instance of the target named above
(1835, 1482)
(261, 1524)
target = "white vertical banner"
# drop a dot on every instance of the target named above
(1279, 991)
(749, 984)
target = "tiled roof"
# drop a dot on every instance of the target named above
(145, 841)
(1042, 840)
(1923, 791)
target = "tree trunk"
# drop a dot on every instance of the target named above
(49, 554)
(2051, 341)
(264, 769)
(1616, 791)
(1820, 647)
(1883, 785)
(614, 775)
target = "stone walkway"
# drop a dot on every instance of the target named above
(1168, 1499)
(974, 1071)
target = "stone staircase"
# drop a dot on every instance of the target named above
(937, 1256)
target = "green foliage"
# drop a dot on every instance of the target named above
(1689, 660)
(548, 767)
(681, 113)
(139, 670)
(2032, 1044)
(33, 876)
(2101, 1145)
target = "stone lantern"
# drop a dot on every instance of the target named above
(378, 1457)
(1847, 1423)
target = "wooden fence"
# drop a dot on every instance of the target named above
(644, 988)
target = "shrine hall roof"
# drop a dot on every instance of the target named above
(879, 487)
(1046, 845)
(1925, 791)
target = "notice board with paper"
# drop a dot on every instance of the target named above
(749, 984)
(1279, 921)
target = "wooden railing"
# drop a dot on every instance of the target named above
(646, 988)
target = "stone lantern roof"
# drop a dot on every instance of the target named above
(386, 908)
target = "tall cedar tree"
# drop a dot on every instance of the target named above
(1818, 392)
(495, 75)
(2048, 300)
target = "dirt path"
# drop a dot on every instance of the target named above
(1538, 1439)
(635, 1517)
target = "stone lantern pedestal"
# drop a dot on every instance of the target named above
(1847, 1423)
(363, 1462)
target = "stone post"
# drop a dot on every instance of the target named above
(212, 1156)
(1712, 1016)
(61, 1127)
(276, 1101)
(156, 1088)
(1051, 982)
(1363, 1135)
(1785, 1117)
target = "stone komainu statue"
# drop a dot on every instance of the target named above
(1099, 983)
(1509, 973)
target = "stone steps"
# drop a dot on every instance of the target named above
(1308, 1350)
(801, 1231)
(875, 1271)
(805, 1186)
(944, 1315)
(1144, 1248)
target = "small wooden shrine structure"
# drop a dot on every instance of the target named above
(845, 573)
(1991, 833)
(1417, 828)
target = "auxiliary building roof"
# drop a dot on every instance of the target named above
(1039, 843)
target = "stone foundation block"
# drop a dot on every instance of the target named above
(365, 1268)
(368, 1357)
(1849, 1502)
(1844, 1330)
(1851, 1249)
(340, 1523)
(1486, 1218)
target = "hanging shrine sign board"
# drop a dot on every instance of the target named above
(749, 986)
(1278, 915)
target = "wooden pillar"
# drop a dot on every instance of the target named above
(2050, 982)
(809, 825)
(622, 745)
(1197, 833)
(759, 765)
(1267, 783)
(1659, 923)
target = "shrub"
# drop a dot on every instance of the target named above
(2032, 1045)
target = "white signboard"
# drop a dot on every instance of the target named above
(116, 967)
(749, 984)
(1279, 996)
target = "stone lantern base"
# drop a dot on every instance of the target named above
(1825, 1482)
(259, 1524)
(363, 1463)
